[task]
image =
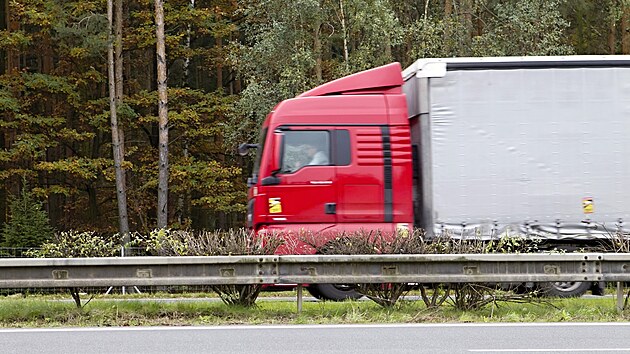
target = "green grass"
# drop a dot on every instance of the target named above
(38, 311)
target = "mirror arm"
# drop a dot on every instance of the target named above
(243, 149)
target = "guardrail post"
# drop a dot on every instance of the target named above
(299, 298)
(619, 296)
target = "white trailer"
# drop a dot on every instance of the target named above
(534, 146)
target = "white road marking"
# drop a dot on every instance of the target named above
(572, 350)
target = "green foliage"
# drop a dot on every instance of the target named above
(219, 243)
(13, 39)
(74, 244)
(233, 242)
(216, 186)
(531, 27)
(196, 172)
(292, 47)
(28, 225)
(82, 34)
(373, 31)
(86, 169)
(277, 59)
(428, 38)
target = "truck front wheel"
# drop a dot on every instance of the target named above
(334, 292)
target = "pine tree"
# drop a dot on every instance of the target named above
(28, 225)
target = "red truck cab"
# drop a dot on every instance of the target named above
(336, 158)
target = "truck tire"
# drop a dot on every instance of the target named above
(565, 289)
(598, 288)
(333, 292)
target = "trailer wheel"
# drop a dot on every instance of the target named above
(598, 288)
(565, 288)
(333, 292)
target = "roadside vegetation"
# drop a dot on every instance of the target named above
(462, 296)
(168, 243)
(36, 311)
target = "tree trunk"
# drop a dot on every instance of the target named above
(182, 197)
(317, 50)
(13, 68)
(344, 32)
(119, 80)
(92, 203)
(121, 193)
(187, 60)
(13, 56)
(3, 70)
(162, 212)
(448, 12)
(53, 204)
(219, 65)
(121, 174)
(625, 29)
(118, 51)
(479, 23)
(3, 193)
(466, 8)
(238, 87)
(612, 31)
(219, 68)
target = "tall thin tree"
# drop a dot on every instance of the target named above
(344, 32)
(162, 212)
(181, 208)
(121, 192)
(625, 27)
(118, 74)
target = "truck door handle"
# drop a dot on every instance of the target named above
(321, 182)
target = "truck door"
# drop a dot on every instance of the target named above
(306, 188)
(361, 185)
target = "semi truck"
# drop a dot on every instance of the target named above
(466, 147)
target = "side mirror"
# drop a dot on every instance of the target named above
(278, 152)
(243, 149)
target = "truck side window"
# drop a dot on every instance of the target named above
(341, 147)
(305, 148)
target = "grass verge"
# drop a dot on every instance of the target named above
(35, 311)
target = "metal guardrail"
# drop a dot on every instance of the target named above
(309, 269)
(305, 269)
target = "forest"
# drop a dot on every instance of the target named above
(228, 63)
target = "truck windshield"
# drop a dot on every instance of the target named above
(259, 152)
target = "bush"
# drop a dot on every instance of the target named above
(74, 244)
(465, 296)
(472, 296)
(374, 242)
(218, 243)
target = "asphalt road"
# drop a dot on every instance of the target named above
(377, 339)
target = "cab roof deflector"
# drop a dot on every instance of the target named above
(384, 77)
